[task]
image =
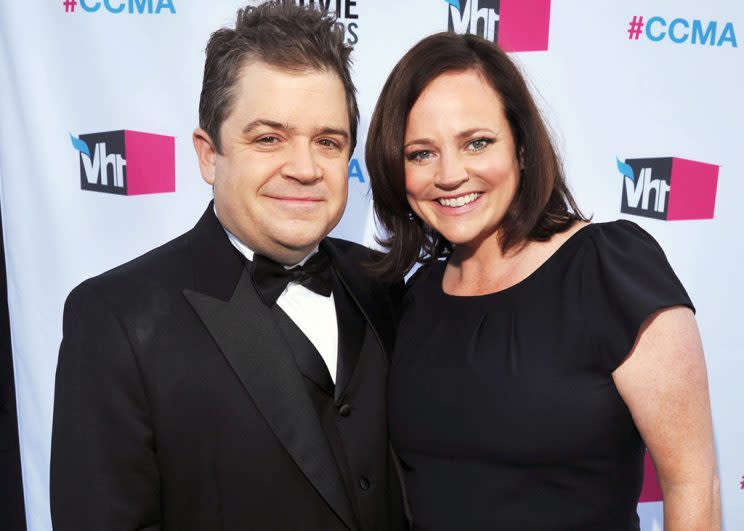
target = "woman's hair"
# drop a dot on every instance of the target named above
(543, 204)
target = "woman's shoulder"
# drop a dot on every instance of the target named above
(594, 245)
(620, 231)
(610, 243)
(621, 244)
(617, 256)
(617, 263)
(625, 278)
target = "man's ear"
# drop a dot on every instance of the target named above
(206, 154)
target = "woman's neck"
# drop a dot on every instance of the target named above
(483, 268)
(486, 268)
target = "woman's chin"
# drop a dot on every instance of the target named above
(461, 238)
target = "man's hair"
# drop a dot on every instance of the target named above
(281, 34)
(543, 204)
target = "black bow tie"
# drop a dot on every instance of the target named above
(271, 278)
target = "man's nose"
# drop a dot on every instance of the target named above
(302, 164)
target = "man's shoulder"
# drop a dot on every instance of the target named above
(352, 250)
(354, 256)
(158, 263)
(355, 253)
(170, 264)
(379, 298)
(361, 260)
(164, 269)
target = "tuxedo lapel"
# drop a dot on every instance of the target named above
(351, 330)
(248, 336)
(309, 361)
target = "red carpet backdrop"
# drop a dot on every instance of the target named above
(99, 99)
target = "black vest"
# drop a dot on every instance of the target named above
(353, 412)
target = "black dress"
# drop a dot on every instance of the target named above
(502, 406)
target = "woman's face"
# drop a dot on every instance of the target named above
(461, 165)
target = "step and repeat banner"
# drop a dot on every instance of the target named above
(99, 99)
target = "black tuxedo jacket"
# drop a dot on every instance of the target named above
(182, 402)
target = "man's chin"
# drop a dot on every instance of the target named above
(302, 245)
(290, 250)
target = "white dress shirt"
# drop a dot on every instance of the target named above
(312, 312)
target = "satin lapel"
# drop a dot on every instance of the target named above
(308, 359)
(351, 329)
(250, 340)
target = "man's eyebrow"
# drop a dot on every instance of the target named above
(334, 131)
(255, 124)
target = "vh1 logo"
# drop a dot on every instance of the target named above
(126, 162)
(668, 188)
(515, 25)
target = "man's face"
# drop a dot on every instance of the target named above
(280, 183)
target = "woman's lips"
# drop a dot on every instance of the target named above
(459, 204)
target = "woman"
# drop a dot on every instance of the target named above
(538, 355)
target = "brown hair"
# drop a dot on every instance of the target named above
(543, 204)
(281, 34)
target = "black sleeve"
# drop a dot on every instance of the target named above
(103, 471)
(625, 279)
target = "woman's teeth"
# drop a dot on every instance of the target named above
(459, 201)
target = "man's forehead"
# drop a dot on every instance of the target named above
(265, 95)
(254, 66)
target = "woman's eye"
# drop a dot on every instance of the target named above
(419, 155)
(479, 144)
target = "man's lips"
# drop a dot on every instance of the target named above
(296, 203)
(297, 199)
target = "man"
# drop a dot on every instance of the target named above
(204, 386)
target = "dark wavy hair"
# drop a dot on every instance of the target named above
(281, 34)
(543, 204)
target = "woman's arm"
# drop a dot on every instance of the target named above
(664, 384)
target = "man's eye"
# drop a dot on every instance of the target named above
(268, 140)
(329, 143)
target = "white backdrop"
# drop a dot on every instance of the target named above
(67, 71)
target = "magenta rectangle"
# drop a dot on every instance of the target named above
(693, 190)
(524, 25)
(651, 491)
(151, 163)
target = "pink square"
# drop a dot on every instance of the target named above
(151, 163)
(524, 25)
(693, 190)
(651, 491)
